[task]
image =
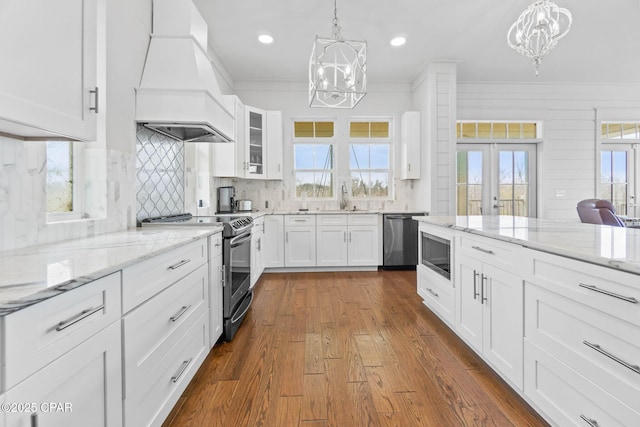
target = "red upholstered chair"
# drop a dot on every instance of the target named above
(595, 211)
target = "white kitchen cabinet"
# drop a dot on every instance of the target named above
(437, 293)
(165, 340)
(587, 318)
(48, 83)
(255, 136)
(332, 240)
(275, 146)
(216, 277)
(228, 160)
(347, 240)
(489, 313)
(300, 241)
(81, 388)
(568, 398)
(363, 239)
(273, 241)
(410, 145)
(257, 253)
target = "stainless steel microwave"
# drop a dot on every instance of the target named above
(436, 254)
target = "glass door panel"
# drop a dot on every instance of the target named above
(615, 179)
(470, 182)
(513, 177)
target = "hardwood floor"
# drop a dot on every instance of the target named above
(346, 349)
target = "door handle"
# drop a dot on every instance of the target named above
(475, 285)
(95, 105)
(483, 296)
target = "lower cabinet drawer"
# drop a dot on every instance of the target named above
(602, 348)
(437, 293)
(152, 329)
(150, 399)
(568, 398)
(39, 334)
(145, 279)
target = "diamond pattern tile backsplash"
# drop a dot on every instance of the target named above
(159, 174)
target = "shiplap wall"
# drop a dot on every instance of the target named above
(567, 155)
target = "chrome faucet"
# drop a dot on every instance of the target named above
(343, 197)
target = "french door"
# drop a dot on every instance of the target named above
(619, 177)
(496, 179)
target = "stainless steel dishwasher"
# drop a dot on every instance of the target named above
(400, 241)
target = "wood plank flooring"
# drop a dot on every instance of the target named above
(346, 349)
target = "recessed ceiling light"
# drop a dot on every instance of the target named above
(398, 41)
(265, 38)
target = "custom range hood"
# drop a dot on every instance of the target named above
(179, 95)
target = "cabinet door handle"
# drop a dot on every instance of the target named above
(486, 251)
(178, 265)
(408, 167)
(475, 285)
(349, 237)
(483, 289)
(286, 237)
(433, 293)
(179, 314)
(222, 278)
(596, 347)
(78, 317)
(34, 420)
(590, 421)
(345, 236)
(95, 100)
(594, 288)
(278, 167)
(183, 368)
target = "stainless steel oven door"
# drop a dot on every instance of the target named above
(237, 260)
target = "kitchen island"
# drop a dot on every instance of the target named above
(552, 306)
(110, 329)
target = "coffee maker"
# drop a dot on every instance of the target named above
(226, 199)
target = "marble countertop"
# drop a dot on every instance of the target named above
(338, 211)
(36, 273)
(614, 247)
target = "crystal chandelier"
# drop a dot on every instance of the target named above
(337, 70)
(538, 30)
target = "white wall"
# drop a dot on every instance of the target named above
(292, 100)
(568, 113)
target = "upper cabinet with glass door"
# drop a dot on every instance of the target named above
(48, 79)
(255, 156)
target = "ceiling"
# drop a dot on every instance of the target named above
(603, 45)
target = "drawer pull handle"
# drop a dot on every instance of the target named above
(179, 314)
(78, 317)
(433, 293)
(596, 347)
(486, 251)
(183, 368)
(178, 265)
(590, 421)
(611, 294)
(300, 220)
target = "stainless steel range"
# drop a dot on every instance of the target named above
(236, 259)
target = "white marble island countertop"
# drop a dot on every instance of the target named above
(36, 273)
(613, 247)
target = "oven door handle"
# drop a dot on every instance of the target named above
(239, 240)
(235, 318)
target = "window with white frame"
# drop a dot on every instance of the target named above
(313, 159)
(63, 195)
(370, 159)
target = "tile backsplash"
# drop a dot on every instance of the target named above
(160, 181)
(109, 199)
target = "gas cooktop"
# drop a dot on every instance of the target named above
(232, 225)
